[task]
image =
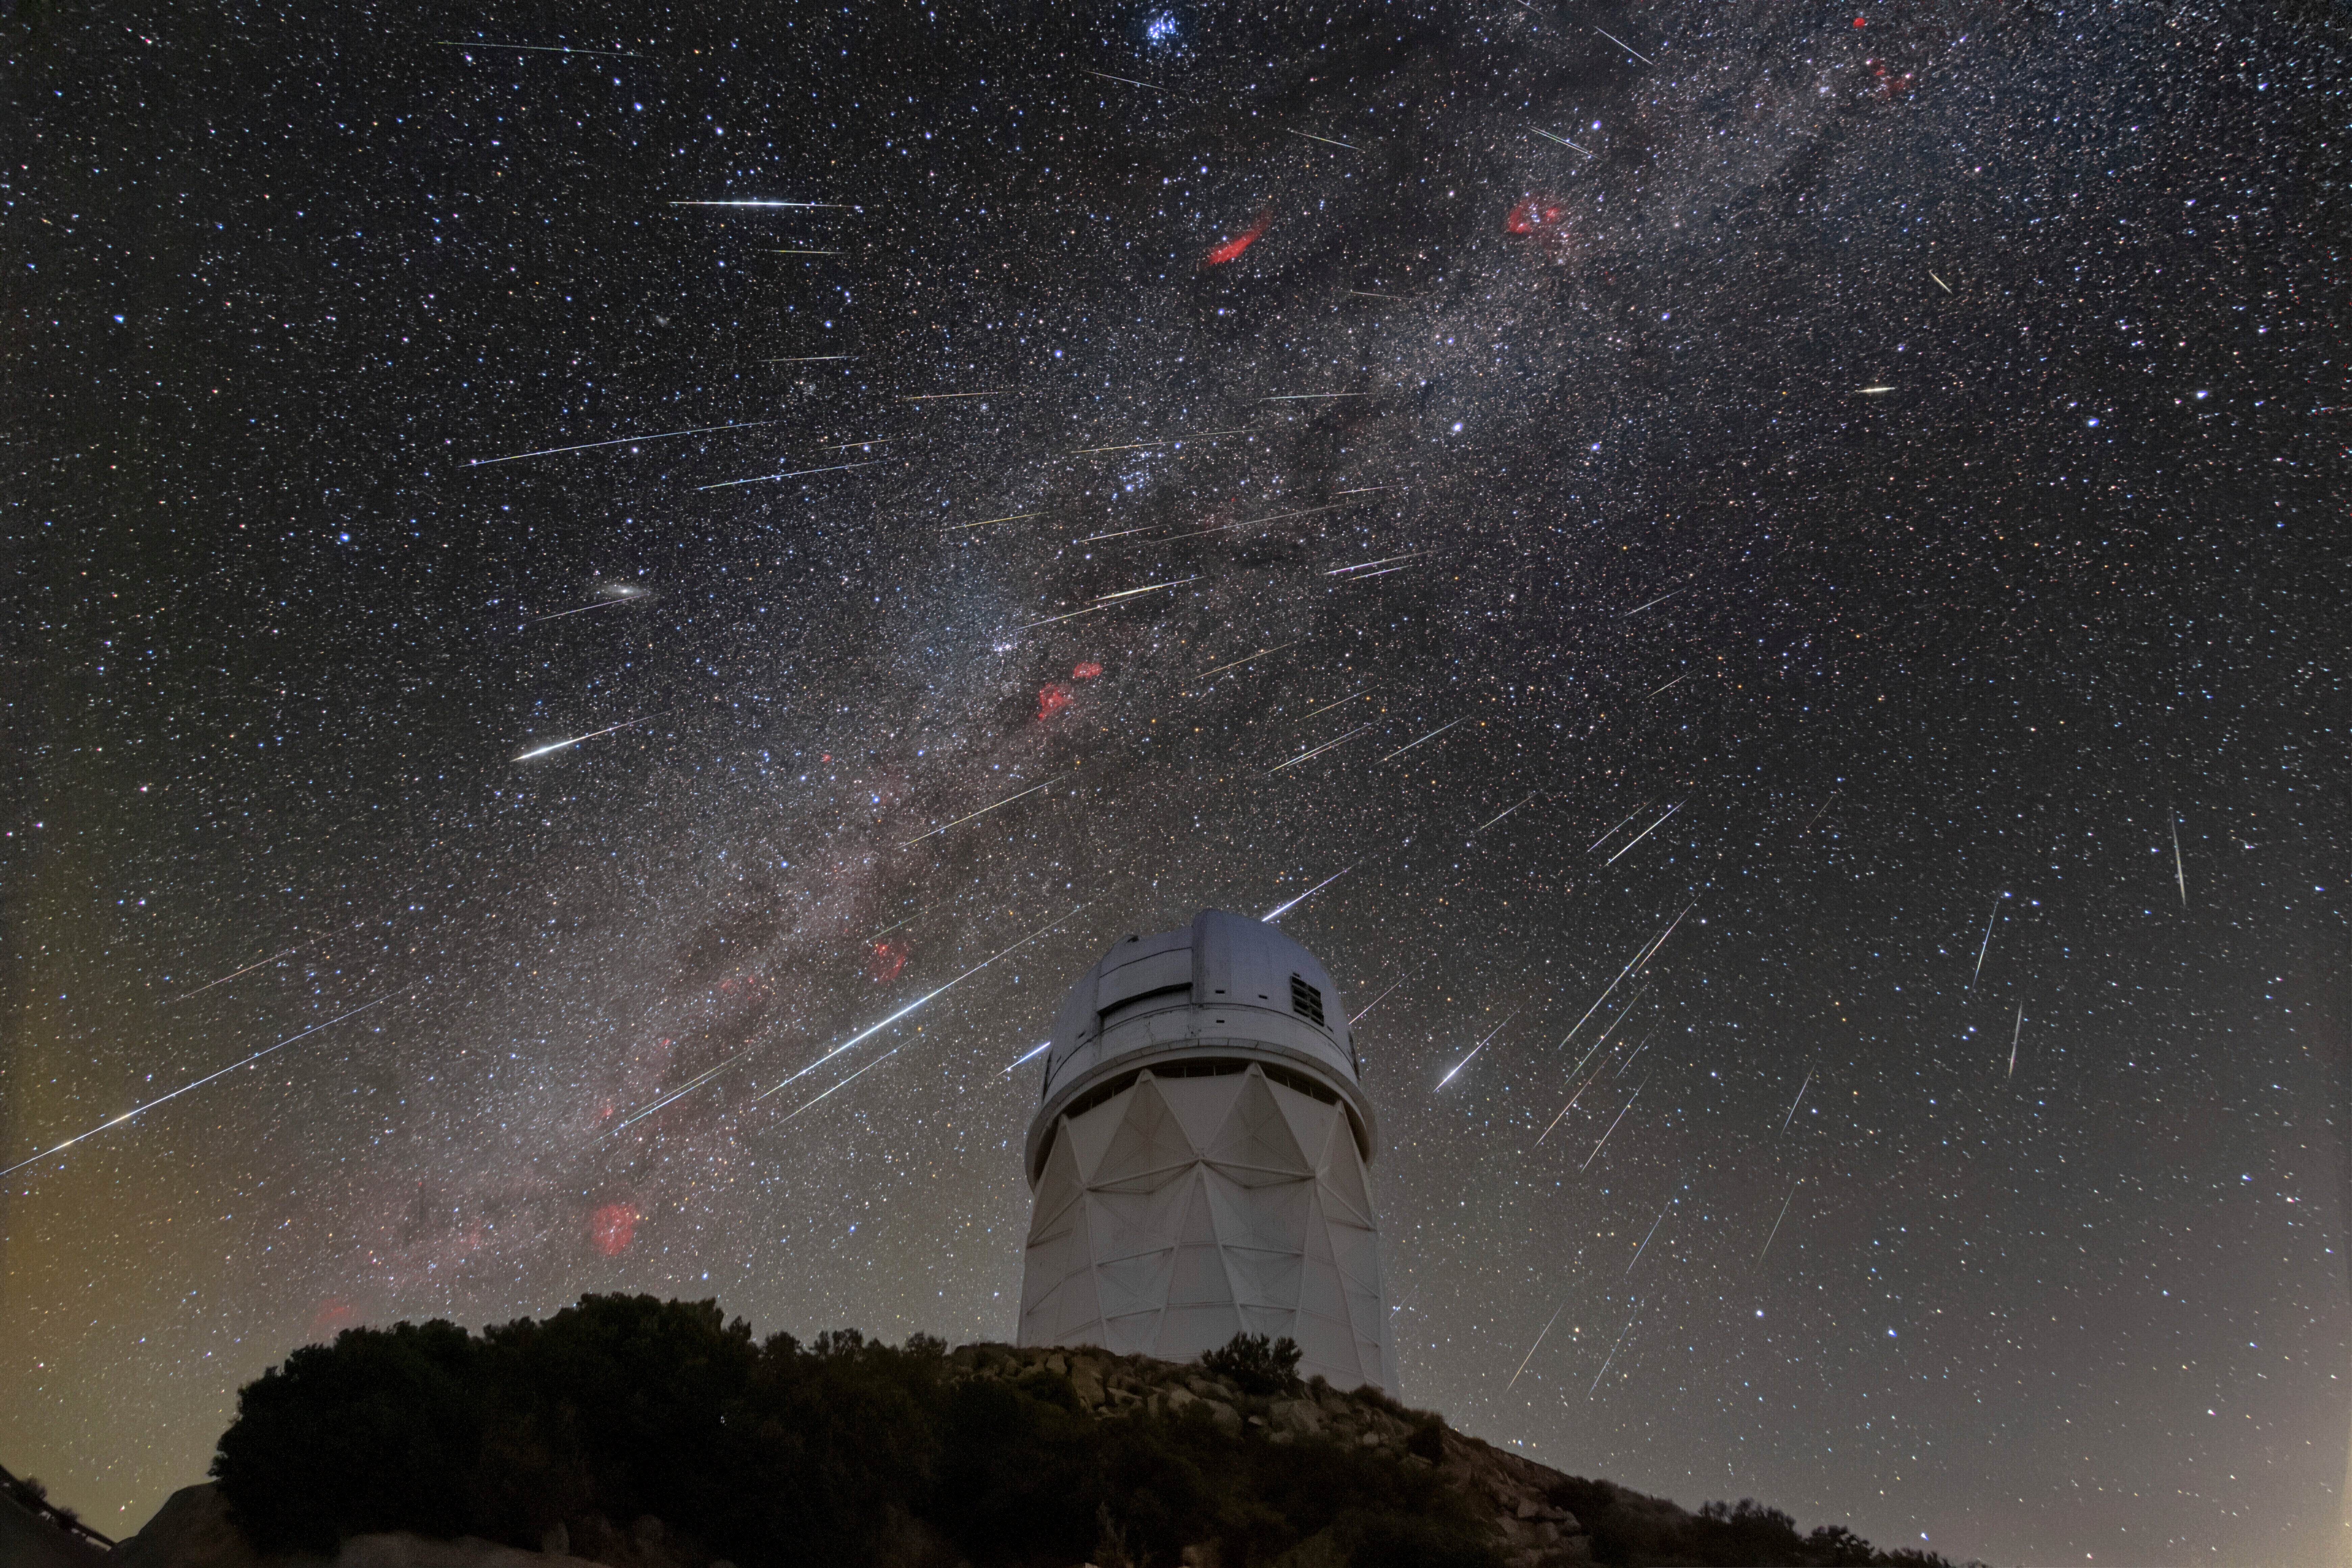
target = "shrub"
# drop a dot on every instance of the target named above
(1255, 1365)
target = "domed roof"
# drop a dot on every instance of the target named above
(1225, 987)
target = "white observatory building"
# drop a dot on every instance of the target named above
(1198, 1159)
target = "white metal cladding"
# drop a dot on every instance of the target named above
(1182, 1211)
(1199, 1159)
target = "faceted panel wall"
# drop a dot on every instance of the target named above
(1186, 1210)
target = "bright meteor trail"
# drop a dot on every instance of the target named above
(854, 1040)
(208, 1078)
(983, 811)
(559, 745)
(615, 441)
(1279, 910)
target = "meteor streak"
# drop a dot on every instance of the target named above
(1383, 561)
(629, 598)
(983, 811)
(1500, 815)
(1669, 685)
(983, 522)
(806, 359)
(1624, 45)
(540, 48)
(1029, 1055)
(1537, 1345)
(2178, 870)
(751, 204)
(1643, 834)
(935, 396)
(1778, 1217)
(1474, 1051)
(796, 473)
(1612, 1126)
(1401, 750)
(1329, 706)
(615, 441)
(1132, 82)
(1279, 910)
(1614, 1349)
(1612, 832)
(1561, 140)
(2014, 1035)
(1659, 600)
(1798, 1100)
(559, 745)
(1278, 516)
(1984, 944)
(1645, 1240)
(246, 970)
(868, 1032)
(1147, 588)
(208, 1078)
(1326, 140)
(1376, 1001)
(1633, 964)
(845, 1083)
(1239, 662)
(855, 1040)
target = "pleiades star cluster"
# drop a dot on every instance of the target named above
(607, 606)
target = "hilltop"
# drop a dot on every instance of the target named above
(636, 1432)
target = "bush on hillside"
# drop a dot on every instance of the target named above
(1256, 1366)
(657, 1433)
(774, 1454)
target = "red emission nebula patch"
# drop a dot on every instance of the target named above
(335, 1314)
(1052, 698)
(889, 957)
(1087, 671)
(615, 1227)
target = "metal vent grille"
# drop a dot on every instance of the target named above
(1306, 1000)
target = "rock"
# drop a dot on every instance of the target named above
(555, 1541)
(1087, 1380)
(1300, 1415)
(1228, 1419)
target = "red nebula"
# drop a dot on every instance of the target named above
(1085, 671)
(1532, 214)
(1052, 698)
(1860, 23)
(1546, 219)
(1221, 254)
(889, 957)
(615, 1225)
(335, 1314)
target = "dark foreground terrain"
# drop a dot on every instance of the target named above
(645, 1434)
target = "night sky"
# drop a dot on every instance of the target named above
(1864, 489)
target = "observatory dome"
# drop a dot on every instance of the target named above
(1200, 1155)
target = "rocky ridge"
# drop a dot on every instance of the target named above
(1522, 1497)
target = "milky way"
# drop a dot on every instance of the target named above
(639, 566)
